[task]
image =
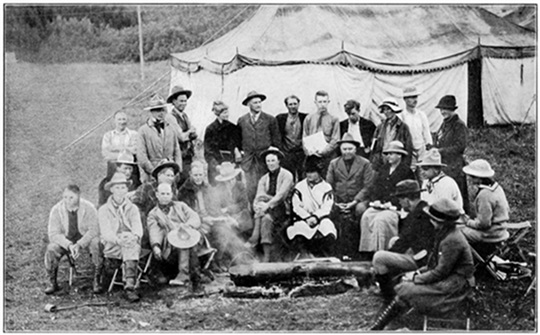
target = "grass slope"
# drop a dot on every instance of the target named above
(49, 106)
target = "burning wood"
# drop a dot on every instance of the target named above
(253, 292)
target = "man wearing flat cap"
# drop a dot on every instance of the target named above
(258, 131)
(361, 129)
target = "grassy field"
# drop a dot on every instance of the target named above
(49, 106)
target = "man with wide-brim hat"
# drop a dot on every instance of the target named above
(416, 233)
(391, 129)
(360, 128)
(176, 238)
(125, 164)
(350, 176)
(158, 139)
(187, 134)
(417, 122)
(164, 164)
(259, 131)
(227, 171)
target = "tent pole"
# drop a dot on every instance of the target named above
(141, 53)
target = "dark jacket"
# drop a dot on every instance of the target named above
(353, 184)
(451, 140)
(281, 121)
(416, 231)
(403, 135)
(188, 194)
(223, 136)
(367, 129)
(384, 183)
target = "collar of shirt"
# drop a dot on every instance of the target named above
(254, 116)
(117, 132)
(489, 187)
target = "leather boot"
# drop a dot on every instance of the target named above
(130, 273)
(183, 268)
(53, 284)
(97, 286)
(390, 312)
(267, 249)
(386, 286)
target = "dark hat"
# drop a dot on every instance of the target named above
(444, 210)
(347, 138)
(447, 102)
(251, 95)
(165, 163)
(272, 150)
(406, 187)
(313, 163)
(352, 104)
(176, 91)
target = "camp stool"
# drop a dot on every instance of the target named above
(142, 277)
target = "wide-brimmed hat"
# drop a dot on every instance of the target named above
(117, 178)
(348, 138)
(165, 163)
(227, 171)
(176, 91)
(447, 102)
(406, 187)
(432, 157)
(410, 92)
(392, 104)
(125, 158)
(479, 168)
(396, 147)
(313, 163)
(156, 103)
(184, 237)
(272, 150)
(444, 210)
(251, 95)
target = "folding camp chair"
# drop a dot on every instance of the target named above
(459, 318)
(146, 258)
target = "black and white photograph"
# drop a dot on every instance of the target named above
(270, 167)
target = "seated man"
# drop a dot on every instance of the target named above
(269, 204)
(416, 236)
(126, 165)
(170, 222)
(312, 202)
(72, 226)
(121, 231)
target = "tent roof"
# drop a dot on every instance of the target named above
(388, 38)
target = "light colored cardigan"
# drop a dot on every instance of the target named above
(87, 222)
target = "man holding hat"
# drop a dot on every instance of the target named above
(350, 176)
(269, 203)
(157, 140)
(121, 231)
(451, 140)
(126, 165)
(258, 131)
(416, 235)
(391, 129)
(361, 129)
(418, 124)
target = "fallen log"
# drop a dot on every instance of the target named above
(261, 274)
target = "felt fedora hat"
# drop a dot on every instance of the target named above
(395, 147)
(432, 157)
(165, 163)
(479, 168)
(406, 187)
(272, 150)
(251, 95)
(156, 103)
(410, 92)
(227, 171)
(125, 158)
(392, 104)
(176, 91)
(444, 210)
(117, 178)
(447, 102)
(347, 138)
(184, 237)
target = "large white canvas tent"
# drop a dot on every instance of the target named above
(367, 52)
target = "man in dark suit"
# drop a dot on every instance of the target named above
(290, 127)
(259, 131)
(360, 128)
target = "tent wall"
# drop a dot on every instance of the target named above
(342, 83)
(509, 90)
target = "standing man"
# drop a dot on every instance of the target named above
(291, 126)
(157, 139)
(360, 128)
(259, 131)
(73, 225)
(120, 139)
(418, 124)
(186, 132)
(328, 124)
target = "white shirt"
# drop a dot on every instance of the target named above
(419, 127)
(354, 130)
(442, 186)
(115, 142)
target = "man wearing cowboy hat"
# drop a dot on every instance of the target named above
(73, 225)
(126, 165)
(391, 129)
(176, 237)
(417, 122)
(269, 203)
(350, 176)
(157, 139)
(436, 183)
(121, 231)
(360, 128)
(409, 251)
(186, 132)
(258, 131)
(451, 140)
